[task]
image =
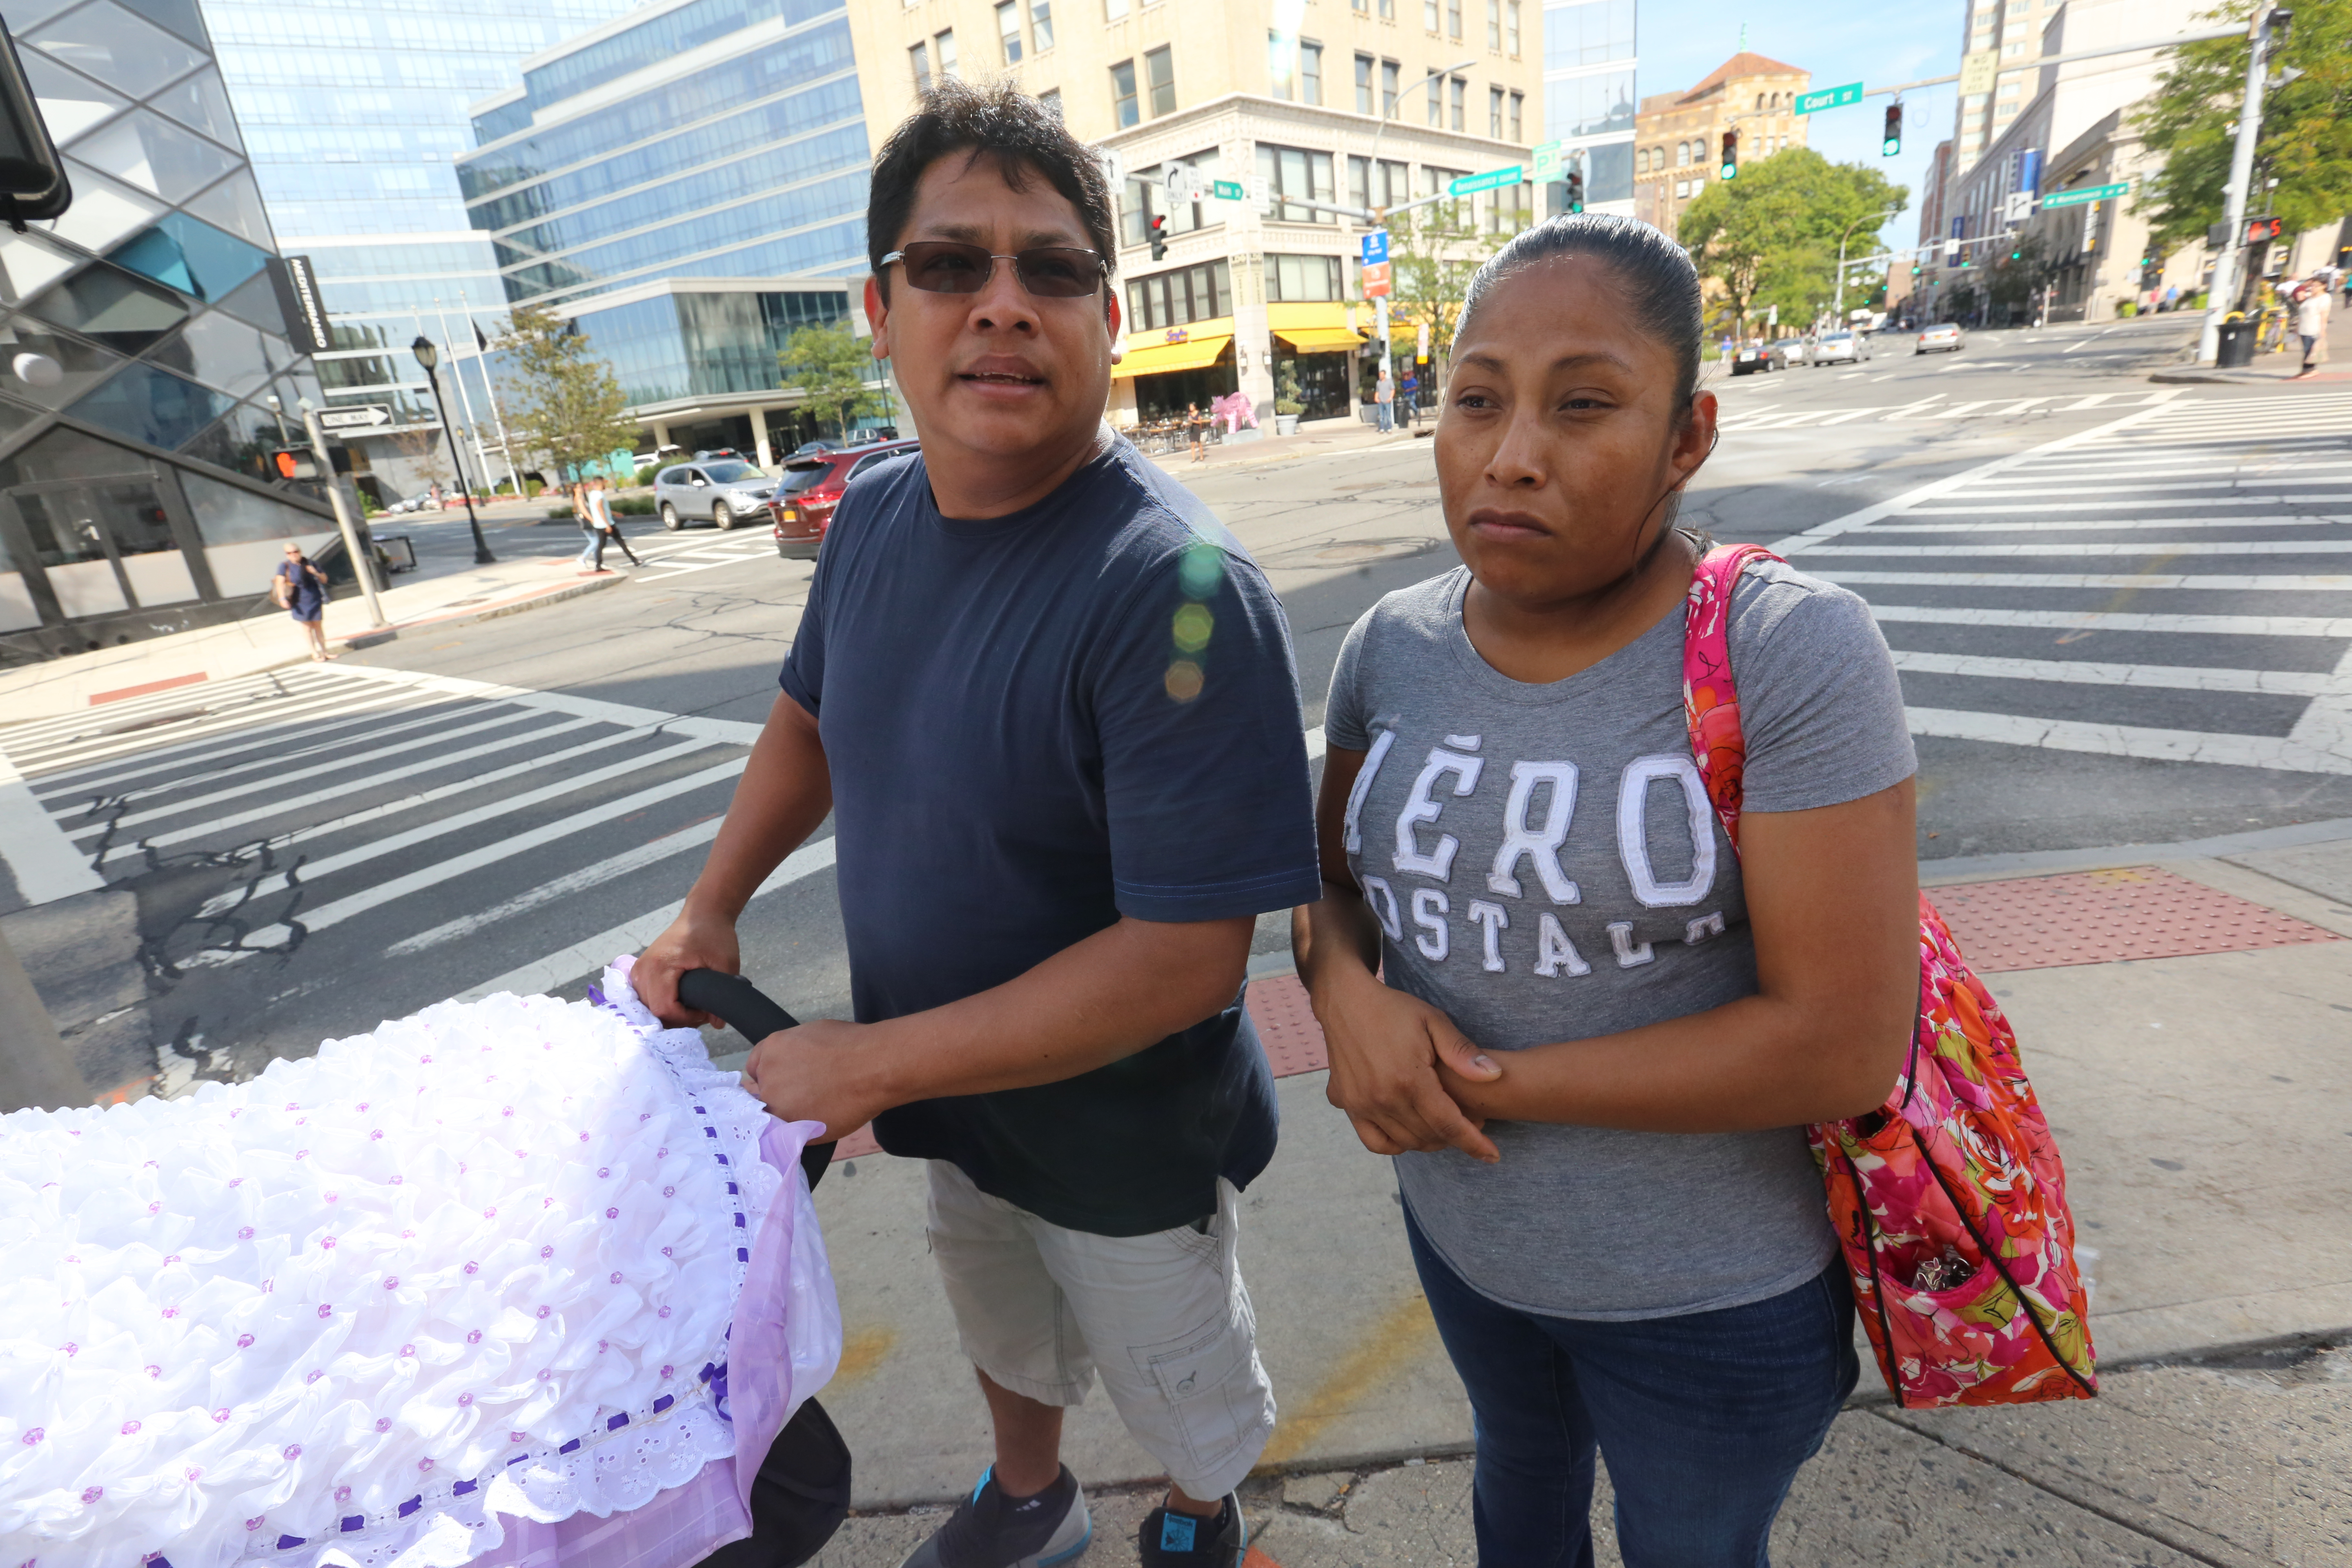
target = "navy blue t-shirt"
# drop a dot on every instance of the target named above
(1035, 725)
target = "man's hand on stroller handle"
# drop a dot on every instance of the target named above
(692, 941)
(816, 1073)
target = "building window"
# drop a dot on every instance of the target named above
(1160, 75)
(920, 58)
(1429, 15)
(1641, 160)
(1178, 299)
(1388, 10)
(1511, 27)
(1698, 150)
(1310, 72)
(1303, 279)
(1279, 57)
(1294, 172)
(1359, 5)
(1393, 187)
(1122, 94)
(1041, 24)
(1457, 100)
(1454, 20)
(1518, 114)
(1493, 23)
(946, 41)
(1114, 10)
(1363, 84)
(1050, 101)
(1008, 28)
(1494, 112)
(1682, 153)
(1388, 69)
(1433, 95)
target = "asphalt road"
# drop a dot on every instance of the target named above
(2118, 608)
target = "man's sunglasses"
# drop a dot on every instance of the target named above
(1048, 271)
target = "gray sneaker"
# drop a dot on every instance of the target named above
(989, 1530)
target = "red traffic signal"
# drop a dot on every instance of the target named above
(1159, 238)
(288, 463)
(2262, 229)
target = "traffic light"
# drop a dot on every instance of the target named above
(1731, 153)
(2261, 230)
(1575, 191)
(1890, 143)
(292, 463)
(1915, 269)
(1159, 238)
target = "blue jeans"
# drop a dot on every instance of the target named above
(1706, 1419)
(1386, 415)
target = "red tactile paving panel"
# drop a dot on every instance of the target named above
(1287, 1025)
(2106, 917)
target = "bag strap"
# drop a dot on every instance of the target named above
(1710, 700)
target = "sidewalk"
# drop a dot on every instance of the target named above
(1313, 439)
(2284, 366)
(2183, 1010)
(269, 640)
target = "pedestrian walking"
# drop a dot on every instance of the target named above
(2172, 298)
(2313, 303)
(299, 588)
(1055, 823)
(605, 524)
(1384, 399)
(1410, 390)
(1590, 1031)
(591, 554)
(1196, 431)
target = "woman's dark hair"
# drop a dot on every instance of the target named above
(1659, 283)
(997, 122)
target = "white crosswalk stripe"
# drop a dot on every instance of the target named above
(2089, 636)
(1936, 407)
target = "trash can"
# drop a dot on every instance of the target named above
(2237, 350)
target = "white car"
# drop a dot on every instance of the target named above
(1943, 337)
(1838, 348)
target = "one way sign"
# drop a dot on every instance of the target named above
(354, 416)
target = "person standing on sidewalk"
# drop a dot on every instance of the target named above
(1050, 702)
(1196, 430)
(2311, 311)
(1384, 398)
(605, 524)
(1587, 1028)
(299, 588)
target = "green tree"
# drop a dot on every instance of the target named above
(1770, 237)
(1434, 252)
(562, 399)
(830, 367)
(2305, 144)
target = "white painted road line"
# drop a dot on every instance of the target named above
(2333, 626)
(2131, 741)
(735, 732)
(2336, 499)
(570, 885)
(41, 859)
(2096, 524)
(2166, 549)
(372, 707)
(2151, 580)
(2086, 673)
(85, 757)
(118, 785)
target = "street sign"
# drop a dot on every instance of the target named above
(2017, 206)
(1829, 98)
(354, 416)
(1261, 192)
(1978, 70)
(1493, 179)
(1547, 163)
(2076, 197)
(297, 288)
(1114, 167)
(1229, 191)
(1376, 280)
(1376, 247)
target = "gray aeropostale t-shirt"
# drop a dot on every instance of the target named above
(1546, 866)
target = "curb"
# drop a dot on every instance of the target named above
(484, 612)
(1965, 868)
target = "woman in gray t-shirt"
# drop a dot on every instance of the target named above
(1601, 1029)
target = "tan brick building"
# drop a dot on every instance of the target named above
(1678, 136)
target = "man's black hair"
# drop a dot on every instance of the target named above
(999, 122)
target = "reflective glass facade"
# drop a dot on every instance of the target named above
(681, 345)
(703, 139)
(354, 113)
(1588, 96)
(140, 341)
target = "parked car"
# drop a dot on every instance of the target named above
(1753, 358)
(420, 502)
(1943, 337)
(803, 505)
(1837, 348)
(724, 492)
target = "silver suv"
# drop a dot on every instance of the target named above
(723, 490)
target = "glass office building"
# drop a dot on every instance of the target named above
(144, 348)
(687, 183)
(1588, 98)
(354, 115)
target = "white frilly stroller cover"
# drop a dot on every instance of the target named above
(453, 1292)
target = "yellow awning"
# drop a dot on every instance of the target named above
(1189, 355)
(1318, 340)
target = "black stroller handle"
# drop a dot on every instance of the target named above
(744, 1008)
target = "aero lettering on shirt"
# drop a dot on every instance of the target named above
(1536, 812)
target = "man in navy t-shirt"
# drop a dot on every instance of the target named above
(1050, 702)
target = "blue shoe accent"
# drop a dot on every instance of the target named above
(984, 1484)
(1177, 1531)
(1074, 1553)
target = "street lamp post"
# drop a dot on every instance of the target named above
(429, 357)
(2221, 295)
(1380, 209)
(1884, 214)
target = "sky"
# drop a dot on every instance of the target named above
(1680, 41)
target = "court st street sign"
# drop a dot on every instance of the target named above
(1828, 98)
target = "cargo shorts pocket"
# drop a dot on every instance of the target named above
(1214, 1395)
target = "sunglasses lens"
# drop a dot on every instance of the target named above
(942, 267)
(1058, 272)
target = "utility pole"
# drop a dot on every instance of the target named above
(1882, 215)
(35, 1067)
(2223, 296)
(363, 560)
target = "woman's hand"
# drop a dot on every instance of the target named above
(1386, 1050)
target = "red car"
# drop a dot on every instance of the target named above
(803, 505)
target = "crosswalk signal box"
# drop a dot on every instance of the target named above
(292, 463)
